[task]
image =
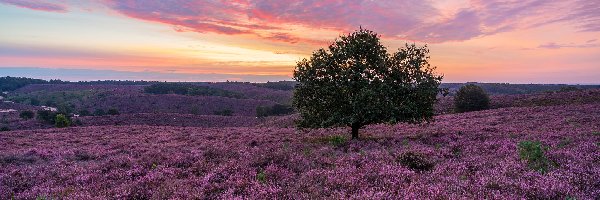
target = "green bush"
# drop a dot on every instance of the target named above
(471, 98)
(534, 153)
(46, 116)
(27, 114)
(62, 121)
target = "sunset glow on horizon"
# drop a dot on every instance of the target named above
(531, 41)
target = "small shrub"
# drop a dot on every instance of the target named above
(4, 128)
(61, 121)
(46, 116)
(113, 111)
(27, 114)
(415, 161)
(471, 98)
(534, 153)
(261, 177)
(224, 112)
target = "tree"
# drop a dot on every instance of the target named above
(26, 114)
(471, 98)
(356, 82)
(61, 121)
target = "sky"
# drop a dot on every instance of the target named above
(511, 41)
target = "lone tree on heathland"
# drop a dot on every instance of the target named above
(356, 82)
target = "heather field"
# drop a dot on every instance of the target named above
(460, 156)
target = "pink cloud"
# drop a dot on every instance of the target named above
(37, 5)
(408, 19)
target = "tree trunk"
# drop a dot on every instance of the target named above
(355, 126)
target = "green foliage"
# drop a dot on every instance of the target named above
(261, 177)
(63, 100)
(224, 112)
(189, 89)
(336, 140)
(415, 161)
(534, 153)
(113, 111)
(275, 110)
(61, 121)
(12, 83)
(26, 114)
(471, 98)
(356, 82)
(46, 116)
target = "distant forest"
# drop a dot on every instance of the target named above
(12, 83)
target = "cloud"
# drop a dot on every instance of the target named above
(37, 5)
(552, 45)
(287, 20)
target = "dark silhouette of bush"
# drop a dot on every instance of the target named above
(26, 114)
(275, 110)
(356, 82)
(46, 116)
(62, 121)
(415, 161)
(471, 98)
(224, 112)
(113, 111)
(4, 128)
(99, 112)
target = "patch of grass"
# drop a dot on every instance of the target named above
(261, 177)
(534, 153)
(337, 140)
(596, 133)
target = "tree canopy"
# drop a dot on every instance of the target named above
(356, 82)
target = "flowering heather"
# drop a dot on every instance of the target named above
(170, 119)
(472, 155)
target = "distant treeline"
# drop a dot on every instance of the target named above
(12, 83)
(279, 85)
(189, 89)
(506, 88)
